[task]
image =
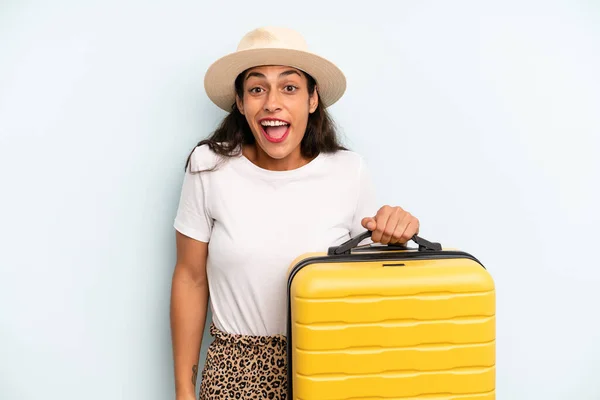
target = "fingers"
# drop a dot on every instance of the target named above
(396, 217)
(400, 229)
(368, 223)
(406, 230)
(391, 225)
(381, 219)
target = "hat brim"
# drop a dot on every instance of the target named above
(220, 77)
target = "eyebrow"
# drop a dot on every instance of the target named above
(281, 75)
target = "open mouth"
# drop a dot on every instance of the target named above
(275, 130)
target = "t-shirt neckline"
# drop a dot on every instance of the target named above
(271, 174)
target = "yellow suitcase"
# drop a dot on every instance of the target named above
(389, 322)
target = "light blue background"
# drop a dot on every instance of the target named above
(480, 117)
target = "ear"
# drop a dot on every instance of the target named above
(313, 101)
(239, 104)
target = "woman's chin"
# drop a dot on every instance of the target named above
(279, 151)
(276, 152)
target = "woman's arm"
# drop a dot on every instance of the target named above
(189, 303)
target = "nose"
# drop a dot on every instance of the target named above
(272, 101)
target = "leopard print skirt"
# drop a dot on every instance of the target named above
(244, 367)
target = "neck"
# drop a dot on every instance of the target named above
(259, 157)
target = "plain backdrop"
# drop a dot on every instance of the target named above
(482, 118)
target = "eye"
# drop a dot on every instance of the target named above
(255, 90)
(291, 88)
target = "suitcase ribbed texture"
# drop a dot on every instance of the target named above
(409, 329)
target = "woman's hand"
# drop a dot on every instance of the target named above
(391, 225)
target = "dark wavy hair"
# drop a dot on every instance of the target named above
(321, 135)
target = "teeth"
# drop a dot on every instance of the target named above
(273, 123)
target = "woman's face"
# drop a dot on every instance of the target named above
(276, 104)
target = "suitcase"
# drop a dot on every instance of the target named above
(390, 322)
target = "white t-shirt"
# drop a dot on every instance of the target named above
(258, 221)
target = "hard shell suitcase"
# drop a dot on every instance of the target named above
(391, 322)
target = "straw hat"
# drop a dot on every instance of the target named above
(272, 46)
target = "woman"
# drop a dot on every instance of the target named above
(271, 183)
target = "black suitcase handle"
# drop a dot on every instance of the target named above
(346, 247)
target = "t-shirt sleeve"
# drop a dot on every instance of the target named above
(193, 218)
(366, 205)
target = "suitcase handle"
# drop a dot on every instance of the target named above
(346, 247)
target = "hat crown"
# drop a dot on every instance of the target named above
(272, 37)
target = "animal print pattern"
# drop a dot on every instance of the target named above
(244, 367)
